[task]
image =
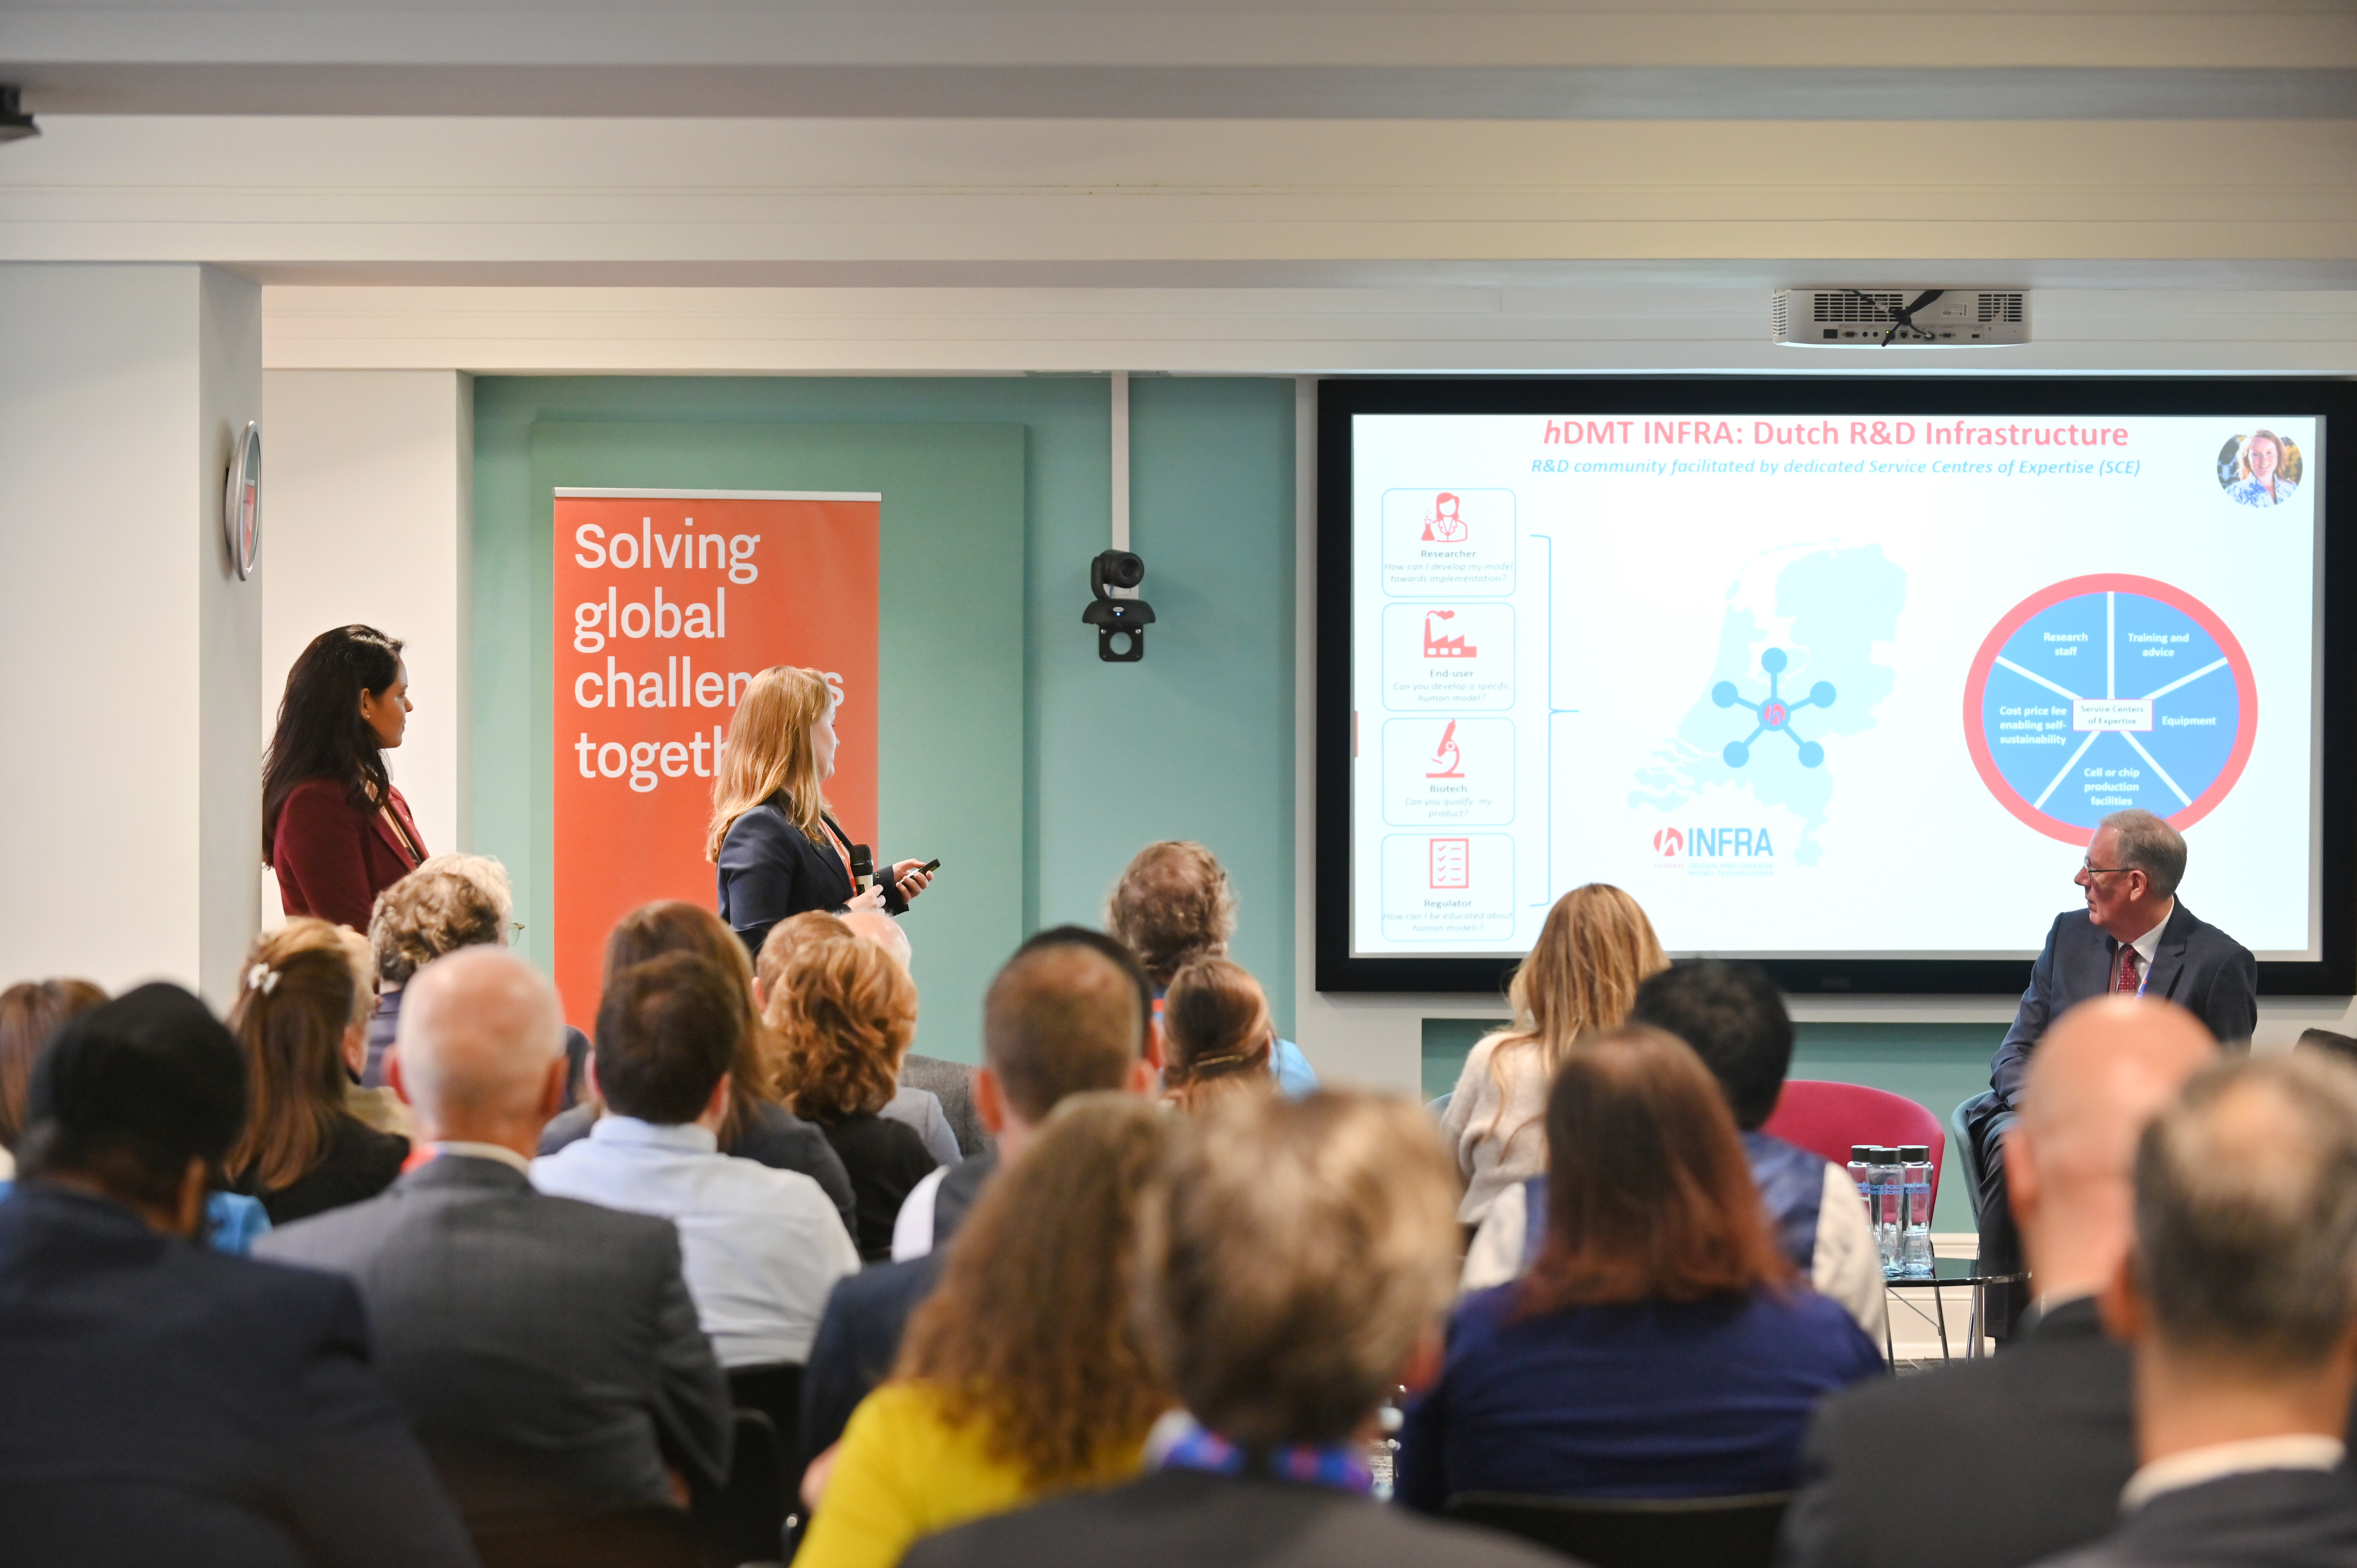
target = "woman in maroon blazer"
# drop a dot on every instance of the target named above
(333, 826)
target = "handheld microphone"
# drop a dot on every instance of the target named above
(863, 865)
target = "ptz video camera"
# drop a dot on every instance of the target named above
(1121, 623)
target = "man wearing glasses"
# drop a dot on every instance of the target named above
(2133, 936)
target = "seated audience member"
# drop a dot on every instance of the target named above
(379, 1108)
(1296, 1257)
(31, 1013)
(546, 1350)
(303, 1151)
(1174, 904)
(1734, 1017)
(2045, 1426)
(1216, 1034)
(2239, 1303)
(1067, 1014)
(917, 1108)
(760, 1248)
(1661, 1345)
(1023, 1375)
(843, 1013)
(160, 1404)
(450, 901)
(759, 1127)
(1595, 949)
(936, 1097)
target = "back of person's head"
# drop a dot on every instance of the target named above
(1649, 1194)
(1216, 1033)
(450, 901)
(789, 937)
(667, 1033)
(130, 1093)
(2246, 1216)
(876, 926)
(674, 925)
(479, 1039)
(1593, 952)
(1172, 904)
(1293, 1257)
(295, 1007)
(1063, 1016)
(1034, 1326)
(2098, 1078)
(844, 1014)
(362, 960)
(31, 1013)
(1734, 1017)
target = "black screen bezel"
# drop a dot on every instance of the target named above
(2334, 974)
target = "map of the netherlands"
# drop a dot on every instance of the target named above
(1833, 613)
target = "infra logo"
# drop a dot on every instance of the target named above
(1774, 714)
(1669, 841)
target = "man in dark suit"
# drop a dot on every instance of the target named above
(546, 1350)
(1069, 1013)
(1297, 1266)
(2132, 936)
(2040, 1439)
(161, 1403)
(2240, 1303)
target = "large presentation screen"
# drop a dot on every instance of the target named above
(1824, 675)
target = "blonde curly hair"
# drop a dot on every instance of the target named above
(450, 901)
(844, 1013)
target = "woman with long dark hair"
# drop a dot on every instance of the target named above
(1661, 1345)
(333, 826)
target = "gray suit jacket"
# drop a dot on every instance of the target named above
(546, 1350)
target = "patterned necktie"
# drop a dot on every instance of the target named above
(2127, 971)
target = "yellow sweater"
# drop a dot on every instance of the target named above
(904, 1472)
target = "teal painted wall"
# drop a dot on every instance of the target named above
(1194, 742)
(1936, 1065)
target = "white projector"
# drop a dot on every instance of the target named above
(1920, 317)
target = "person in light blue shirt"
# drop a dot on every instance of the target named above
(1174, 904)
(760, 1248)
(2263, 481)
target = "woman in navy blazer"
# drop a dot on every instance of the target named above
(333, 826)
(1661, 1345)
(779, 849)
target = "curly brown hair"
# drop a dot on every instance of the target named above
(450, 901)
(1216, 1033)
(844, 1014)
(1034, 1332)
(674, 925)
(1173, 904)
(786, 938)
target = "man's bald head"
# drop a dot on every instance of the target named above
(480, 1028)
(2097, 1078)
(1061, 1018)
(875, 926)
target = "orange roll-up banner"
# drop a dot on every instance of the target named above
(668, 603)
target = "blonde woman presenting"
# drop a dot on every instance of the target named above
(779, 848)
(1582, 974)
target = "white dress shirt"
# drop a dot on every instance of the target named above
(2146, 946)
(760, 1248)
(2293, 1451)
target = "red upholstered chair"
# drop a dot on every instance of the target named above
(1827, 1118)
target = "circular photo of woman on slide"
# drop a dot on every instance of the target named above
(2259, 470)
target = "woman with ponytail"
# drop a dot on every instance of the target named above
(304, 1150)
(333, 826)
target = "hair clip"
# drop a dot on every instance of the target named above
(262, 977)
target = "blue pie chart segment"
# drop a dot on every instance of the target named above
(2100, 701)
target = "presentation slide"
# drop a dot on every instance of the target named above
(1832, 686)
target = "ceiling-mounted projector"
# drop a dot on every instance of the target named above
(1882, 317)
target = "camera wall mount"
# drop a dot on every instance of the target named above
(1121, 623)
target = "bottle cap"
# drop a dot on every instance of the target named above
(1884, 1154)
(1862, 1152)
(1917, 1153)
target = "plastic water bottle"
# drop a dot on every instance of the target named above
(1889, 1193)
(1915, 1246)
(1861, 1171)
